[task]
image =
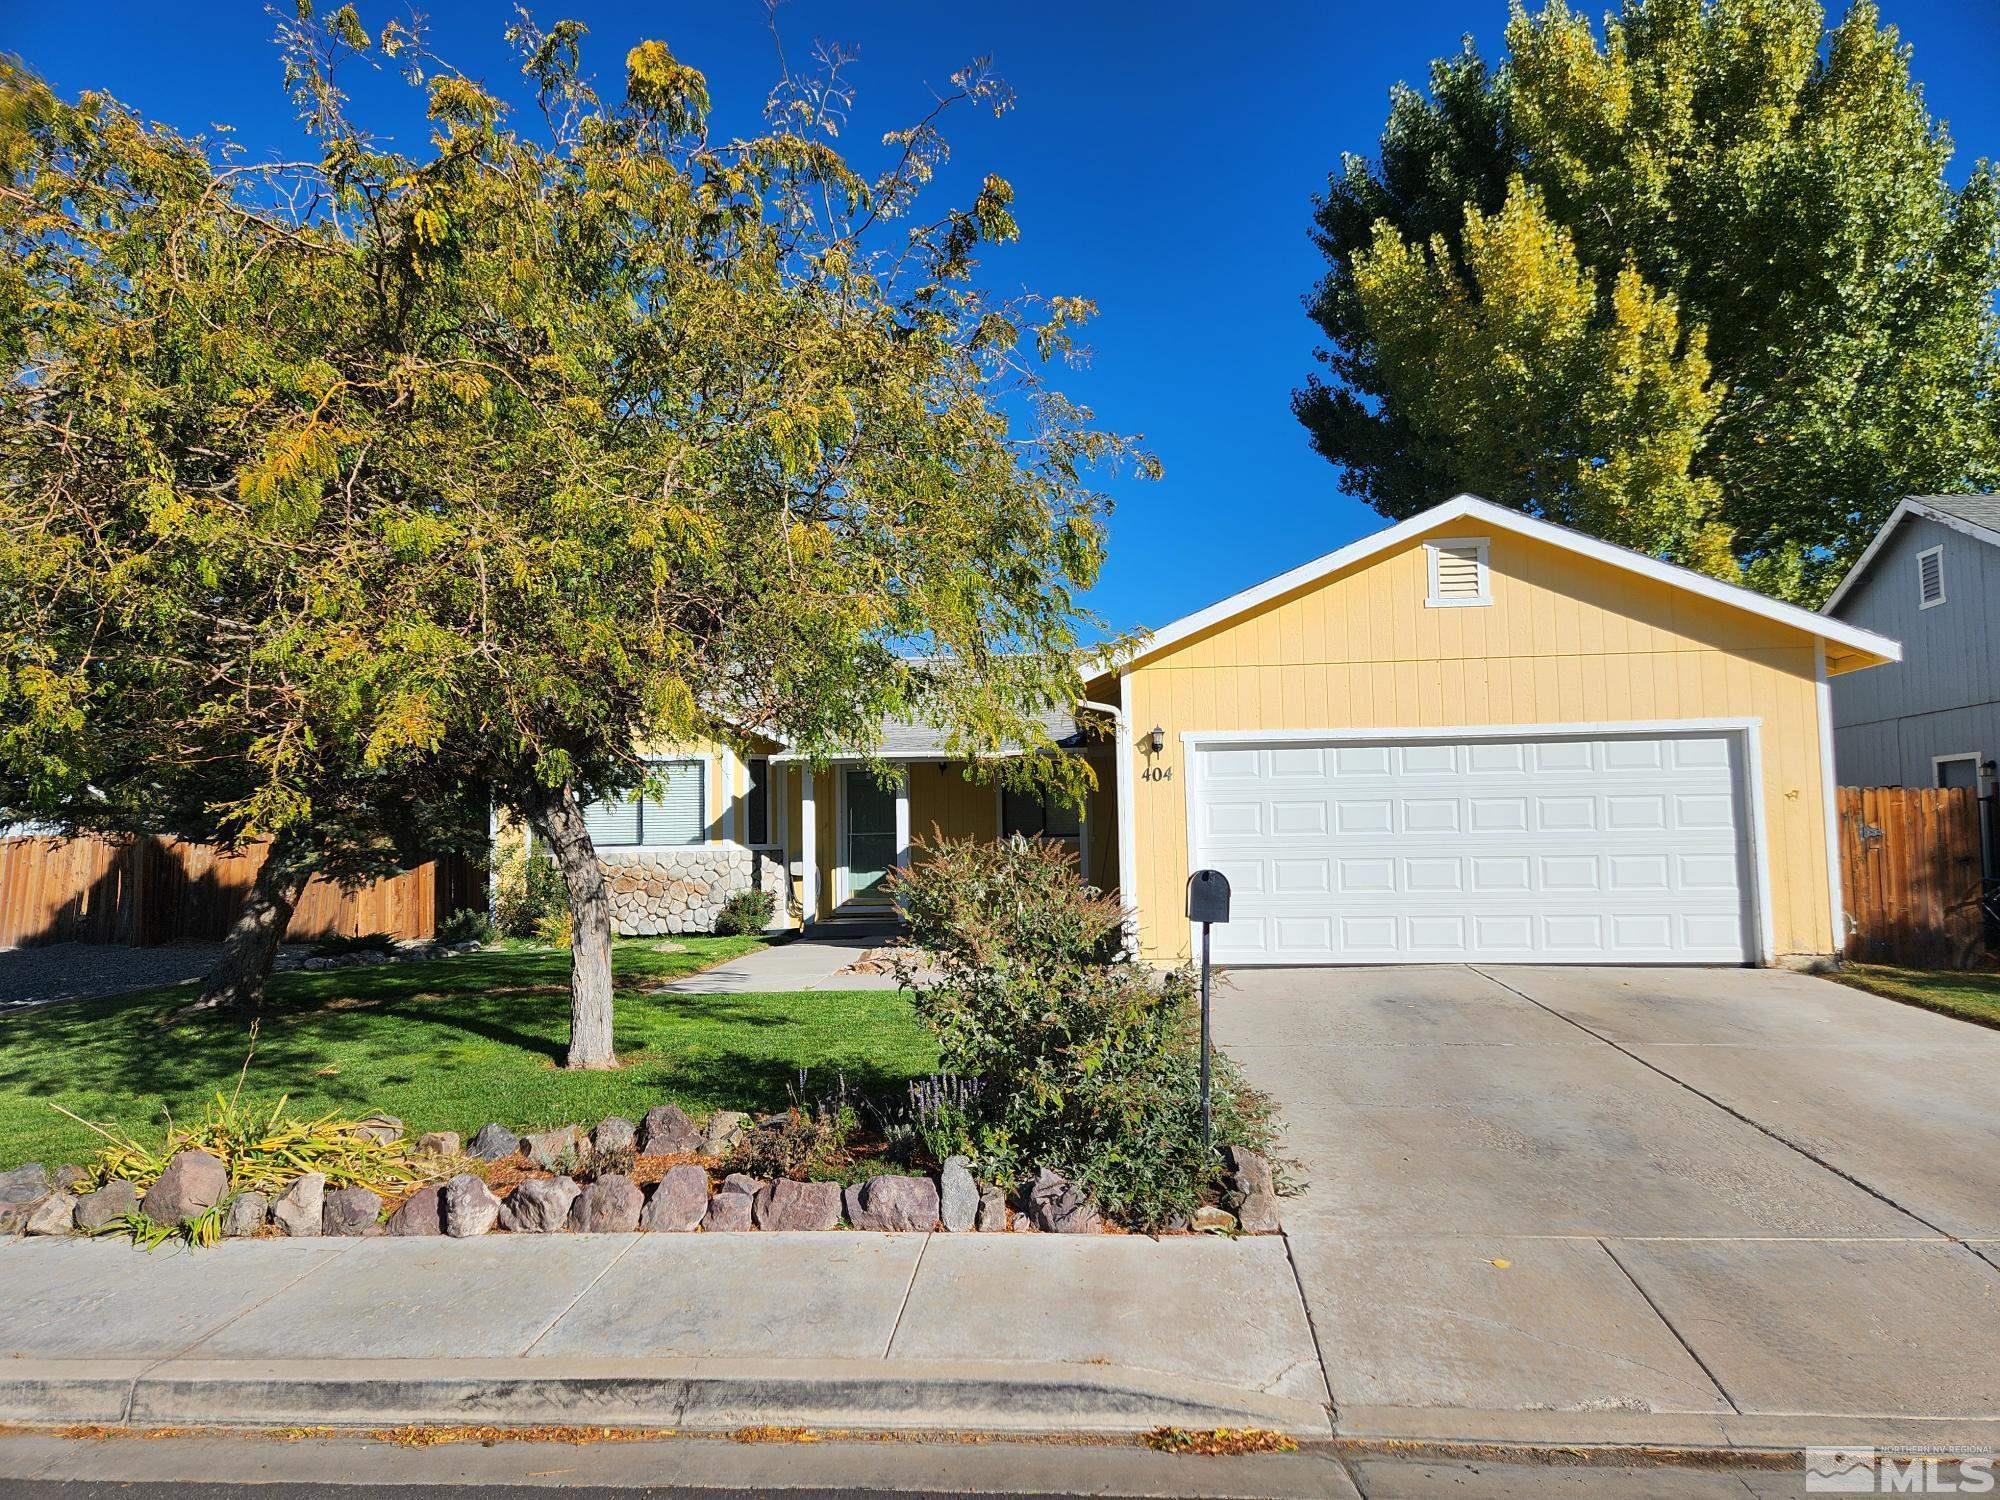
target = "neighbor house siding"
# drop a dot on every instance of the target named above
(1567, 640)
(1943, 697)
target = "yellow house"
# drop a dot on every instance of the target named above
(1472, 736)
(1475, 736)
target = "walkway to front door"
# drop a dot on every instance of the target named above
(815, 962)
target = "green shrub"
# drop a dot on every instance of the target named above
(807, 1144)
(468, 925)
(531, 893)
(745, 911)
(1089, 1063)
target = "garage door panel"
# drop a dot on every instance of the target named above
(1509, 850)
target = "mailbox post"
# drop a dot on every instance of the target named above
(1207, 903)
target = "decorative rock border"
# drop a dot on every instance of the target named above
(608, 1201)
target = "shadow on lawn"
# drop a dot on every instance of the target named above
(345, 1037)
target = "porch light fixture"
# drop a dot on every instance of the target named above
(1156, 740)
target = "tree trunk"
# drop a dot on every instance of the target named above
(558, 820)
(237, 981)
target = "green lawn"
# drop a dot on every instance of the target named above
(1971, 997)
(446, 1045)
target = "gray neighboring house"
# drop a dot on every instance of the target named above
(1930, 579)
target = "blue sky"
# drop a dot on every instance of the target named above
(1164, 156)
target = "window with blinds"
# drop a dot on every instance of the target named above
(1930, 577)
(677, 815)
(1458, 573)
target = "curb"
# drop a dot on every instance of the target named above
(1721, 1433)
(682, 1394)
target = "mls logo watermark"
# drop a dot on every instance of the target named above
(1864, 1471)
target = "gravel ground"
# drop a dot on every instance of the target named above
(55, 972)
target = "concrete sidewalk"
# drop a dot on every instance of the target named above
(909, 1331)
(806, 963)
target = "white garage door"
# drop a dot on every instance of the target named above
(1549, 850)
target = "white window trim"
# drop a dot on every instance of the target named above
(1938, 553)
(1938, 763)
(1479, 547)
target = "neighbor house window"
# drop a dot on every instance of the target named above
(678, 814)
(1036, 816)
(1457, 573)
(1930, 577)
(760, 802)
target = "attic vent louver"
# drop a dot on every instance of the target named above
(1930, 577)
(1458, 573)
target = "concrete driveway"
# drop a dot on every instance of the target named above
(1704, 1202)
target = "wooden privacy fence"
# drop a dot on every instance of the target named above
(1910, 876)
(154, 890)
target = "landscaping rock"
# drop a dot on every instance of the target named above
(383, 1128)
(351, 1211)
(614, 1134)
(25, 1186)
(722, 1134)
(245, 1215)
(440, 1143)
(728, 1212)
(789, 1205)
(667, 1131)
(563, 1149)
(55, 1214)
(958, 1196)
(1058, 1206)
(610, 1205)
(1249, 1174)
(992, 1209)
(540, 1205)
(1258, 1213)
(193, 1183)
(742, 1182)
(893, 1203)
(469, 1207)
(20, 1190)
(1210, 1218)
(422, 1213)
(69, 1180)
(678, 1203)
(114, 1200)
(298, 1209)
(494, 1143)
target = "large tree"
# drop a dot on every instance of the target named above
(612, 431)
(1790, 313)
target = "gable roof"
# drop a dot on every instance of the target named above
(1974, 515)
(1866, 644)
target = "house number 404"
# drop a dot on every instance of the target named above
(1157, 773)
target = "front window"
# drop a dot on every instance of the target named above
(677, 814)
(1036, 816)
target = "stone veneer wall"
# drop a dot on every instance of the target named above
(657, 891)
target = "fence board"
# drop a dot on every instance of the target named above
(1910, 876)
(148, 890)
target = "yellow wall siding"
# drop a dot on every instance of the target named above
(945, 802)
(1567, 640)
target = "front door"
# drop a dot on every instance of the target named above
(871, 836)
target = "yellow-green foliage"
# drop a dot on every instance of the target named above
(264, 1149)
(1590, 404)
(1740, 309)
